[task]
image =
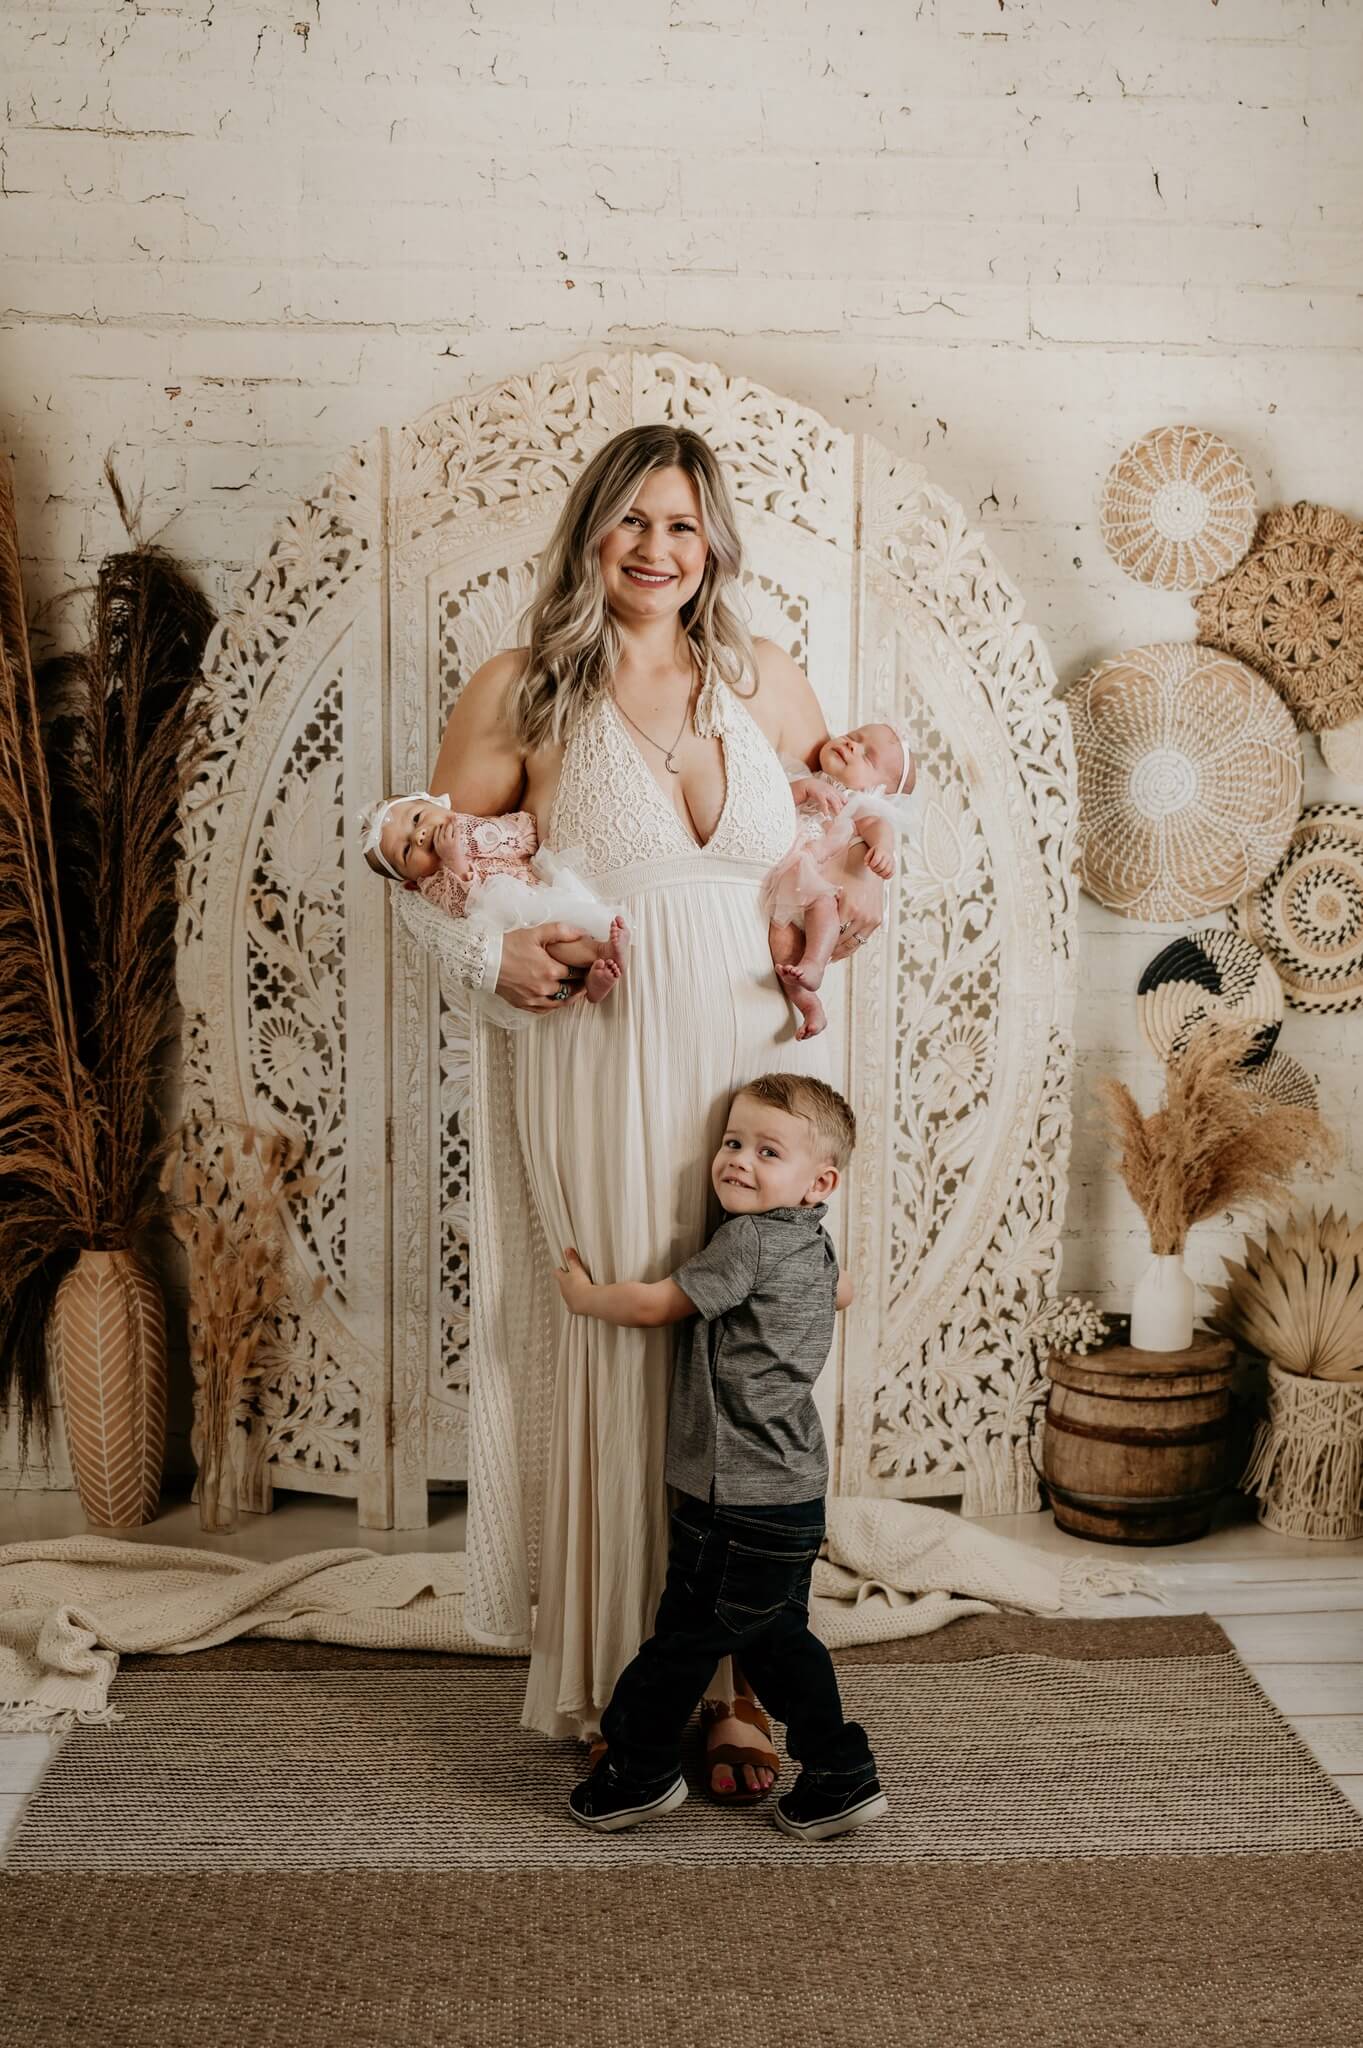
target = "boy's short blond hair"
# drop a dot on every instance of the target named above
(826, 1112)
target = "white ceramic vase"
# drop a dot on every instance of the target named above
(1162, 1307)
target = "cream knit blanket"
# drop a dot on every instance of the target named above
(69, 1606)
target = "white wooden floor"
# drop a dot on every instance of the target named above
(1294, 1610)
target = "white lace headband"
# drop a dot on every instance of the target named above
(374, 817)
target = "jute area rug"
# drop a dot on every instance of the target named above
(1101, 1831)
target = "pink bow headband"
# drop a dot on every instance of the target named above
(374, 817)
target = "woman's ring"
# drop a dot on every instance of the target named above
(843, 929)
(561, 993)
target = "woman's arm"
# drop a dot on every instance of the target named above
(785, 705)
(481, 763)
(481, 768)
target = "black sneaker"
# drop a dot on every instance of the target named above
(603, 1803)
(812, 1814)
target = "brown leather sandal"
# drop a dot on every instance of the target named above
(733, 1755)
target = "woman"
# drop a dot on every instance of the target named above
(642, 727)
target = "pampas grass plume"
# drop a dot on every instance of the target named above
(1212, 1145)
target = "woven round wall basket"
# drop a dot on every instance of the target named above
(1342, 750)
(1307, 1462)
(1189, 781)
(1280, 1078)
(1178, 508)
(1293, 609)
(1210, 973)
(1308, 914)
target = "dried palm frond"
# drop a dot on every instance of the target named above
(49, 1192)
(1211, 1145)
(227, 1208)
(1298, 1297)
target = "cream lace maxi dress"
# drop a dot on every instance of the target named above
(596, 1128)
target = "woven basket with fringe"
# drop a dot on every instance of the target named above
(1293, 609)
(1189, 781)
(1178, 508)
(1306, 1466)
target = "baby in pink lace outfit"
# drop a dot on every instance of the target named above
(845, 802)
(494, 870)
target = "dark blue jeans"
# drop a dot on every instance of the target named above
(737, 1585)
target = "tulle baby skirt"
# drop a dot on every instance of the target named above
(560, 895)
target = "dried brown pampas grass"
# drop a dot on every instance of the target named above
(89, 840)
(227, 1207)
(1212, 1144)
(1298, 1297)
(49, 1193)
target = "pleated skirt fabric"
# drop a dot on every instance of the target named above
(620, 1109)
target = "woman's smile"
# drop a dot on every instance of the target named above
(651, 578)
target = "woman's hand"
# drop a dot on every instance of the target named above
(825, 796)
(574, 1283)
(530, 976)
(861, 907)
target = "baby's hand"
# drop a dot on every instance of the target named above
(880, 861)
(574, 1283)
(825, 796)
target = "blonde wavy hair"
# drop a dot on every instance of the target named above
(575, 645)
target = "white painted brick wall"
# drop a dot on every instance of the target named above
(237, 237)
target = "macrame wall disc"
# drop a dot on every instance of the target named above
(1342, 749)
(1208, 973)
(1308, 914)
(1178, 508)
(1280, 1078)
(1189, 781)
(1293, 609)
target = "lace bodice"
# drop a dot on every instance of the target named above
(610, 806)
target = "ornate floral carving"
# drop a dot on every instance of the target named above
(980, 1135)
(955, 1227)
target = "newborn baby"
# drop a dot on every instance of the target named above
(845, 802)
(496, 871)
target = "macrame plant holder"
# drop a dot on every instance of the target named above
(1306, 1466)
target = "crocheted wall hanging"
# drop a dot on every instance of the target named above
(1308, 914)
(1209, 973)
(1189, 781)
(1293, 609)
(1342, 749)
(1280, 1078)
(1178, 508)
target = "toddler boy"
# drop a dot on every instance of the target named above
(746, 1450)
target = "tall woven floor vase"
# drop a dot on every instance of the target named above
(109, 1349)
(1307, 1462)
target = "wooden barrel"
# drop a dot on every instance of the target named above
(1137, 1443)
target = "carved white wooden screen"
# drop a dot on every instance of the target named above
(335, 673)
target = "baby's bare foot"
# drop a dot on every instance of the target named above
(812, 1017)
(603, 977)
(807, 977)
(617, 946)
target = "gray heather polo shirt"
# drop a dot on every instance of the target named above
(742, 1414)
